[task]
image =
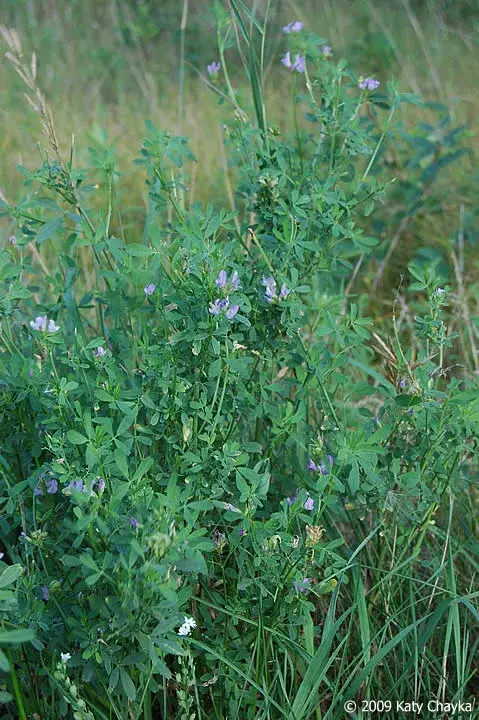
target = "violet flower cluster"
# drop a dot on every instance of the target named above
(231, 285)
(302, 586)
(369, 84)
(43, 324)
(222, 305)
(293, 27)
(298, 64)
(50, 485)
(213, 68)
(324, 467)
(307, 505)
(271, 294)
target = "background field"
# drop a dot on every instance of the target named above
(105, 67)
(111, 64)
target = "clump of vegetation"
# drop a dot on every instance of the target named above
(226, 489)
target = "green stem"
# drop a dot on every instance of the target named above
(263, 254)
(16, 689)
(379, 143)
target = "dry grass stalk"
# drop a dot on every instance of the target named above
(28, 73)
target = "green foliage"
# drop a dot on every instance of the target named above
(221, 503)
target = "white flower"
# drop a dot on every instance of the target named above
(187, 627)
(65, 657)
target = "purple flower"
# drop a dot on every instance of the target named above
(293, 27)
(13, 240)
(302, 586)
(40, 323)
(213, 68)
(270, 284)
(100, 351)
(402, 383)
(2, 555)
(323, 467)
(291, 500)
(149, 289)
(101, 485)
(222, 279)
(312, 466)
(134, 523)
(219, 305)
(369, 84)
(232, 284)
(76, 486)
(309, 504)
(223, 305)
(326, 50)
(45, 593)
(37, 491)
(270, 294)
(43, 324)
(286, 60)
(231, 311)
(299, 64)
(410, 412)
(241, 531)
(52, 486)
(215, 308)
(235, 282)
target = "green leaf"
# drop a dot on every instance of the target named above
(127, 683)
(139, 250)
(10, 575)
(405, 400)
(121, 462)
(49, 228)
(354, 477)
(4, 665)
(76, 438)
(16, 637)
(143, 468)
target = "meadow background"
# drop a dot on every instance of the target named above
(191, 457)
(106, 67)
